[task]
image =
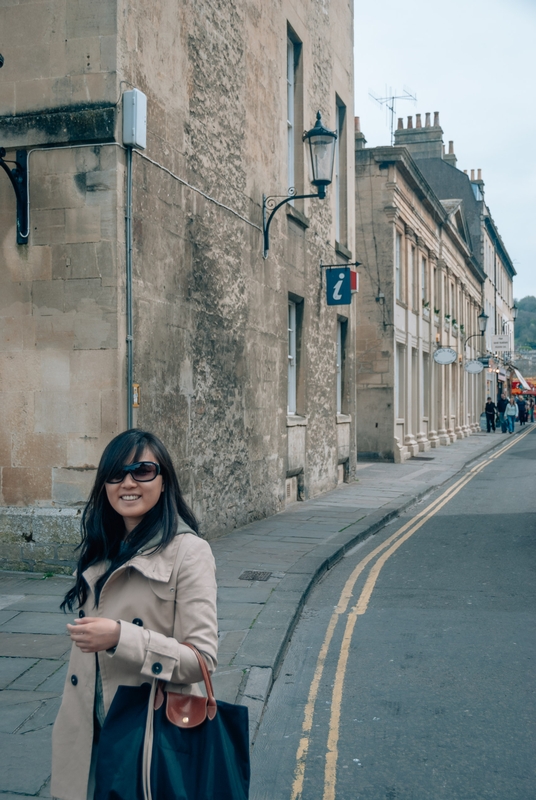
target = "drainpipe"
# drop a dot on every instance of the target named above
(130, 338)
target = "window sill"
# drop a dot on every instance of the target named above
(294, 419)
(401, 304)
(297, 216)
(343, 418)
(342, 250)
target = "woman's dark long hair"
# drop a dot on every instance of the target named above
(103, 528)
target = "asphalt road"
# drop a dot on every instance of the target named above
(411, 674)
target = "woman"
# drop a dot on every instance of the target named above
(510, 414)
(145, 582)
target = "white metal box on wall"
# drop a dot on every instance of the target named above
(135, 118)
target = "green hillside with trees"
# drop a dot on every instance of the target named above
(525, 326)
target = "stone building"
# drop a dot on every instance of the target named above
(254, 415)
(425, 143)
(421, 287)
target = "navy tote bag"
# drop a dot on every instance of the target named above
(199, 750)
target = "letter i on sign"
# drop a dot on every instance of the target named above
(338, 287)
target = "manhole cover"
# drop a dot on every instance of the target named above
(254, 575)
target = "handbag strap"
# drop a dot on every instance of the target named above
(211, 705)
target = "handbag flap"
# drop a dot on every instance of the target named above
(185, 710)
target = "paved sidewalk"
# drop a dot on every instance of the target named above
(256, 617)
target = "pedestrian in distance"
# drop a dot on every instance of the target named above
(490, 414)
(145, 585)
(522, 410)
(502, 402)
(531, 408)
(511, 414)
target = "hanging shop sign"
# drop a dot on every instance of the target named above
(339, 286)
(474, 367)
(445, 355)
(500, 343)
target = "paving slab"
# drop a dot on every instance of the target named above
(17, 753)
(12, 668)
(37, 674)
(34, 645)
(255, 619)
(36, 622)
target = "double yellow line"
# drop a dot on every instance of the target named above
(390, 546)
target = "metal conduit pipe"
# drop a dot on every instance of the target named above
(130, 327)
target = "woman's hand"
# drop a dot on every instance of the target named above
(93, 634)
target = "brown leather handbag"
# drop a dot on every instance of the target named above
(188, 710)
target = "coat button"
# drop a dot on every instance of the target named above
(138, 621)
(157, 668)
(74, 680)
(81, 614)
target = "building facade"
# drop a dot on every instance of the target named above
(421, 288)
(239, 364)
(425, 143)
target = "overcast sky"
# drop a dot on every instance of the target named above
(474, 62)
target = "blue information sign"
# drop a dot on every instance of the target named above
(339, 290)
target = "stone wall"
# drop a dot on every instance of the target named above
(210, 314)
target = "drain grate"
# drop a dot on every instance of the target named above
(254, 575)
(422, 458)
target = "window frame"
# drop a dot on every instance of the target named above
(292, 359)
(399, 278)
(341, 169)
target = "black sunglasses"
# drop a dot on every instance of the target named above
(141, 471)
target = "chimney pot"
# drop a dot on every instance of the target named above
(427, 123)
(357, 124)
(436, 119)
(451, 148)
(418, 121)
(465, 172)
(479, 174)
(410, 122)
(400, 124)
(472, 174)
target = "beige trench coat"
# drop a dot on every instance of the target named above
(160, 600)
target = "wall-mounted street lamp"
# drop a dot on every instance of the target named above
(18, 177)
(320, 143)
(482, 320)
(515, 310)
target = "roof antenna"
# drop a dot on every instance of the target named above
(390, 102)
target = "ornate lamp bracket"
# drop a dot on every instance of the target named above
(270, 204)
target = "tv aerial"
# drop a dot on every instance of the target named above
(390, 104)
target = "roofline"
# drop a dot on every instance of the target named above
(401, 155)
(397, 154)
(497, 241)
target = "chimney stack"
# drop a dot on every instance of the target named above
(450, 158)
(422, 142)
(360, 140)
(479, 178)
(472, 175)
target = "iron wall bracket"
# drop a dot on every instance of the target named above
(270, 204)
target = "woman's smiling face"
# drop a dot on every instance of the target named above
(133, 499)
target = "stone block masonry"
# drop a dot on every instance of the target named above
(210, 314)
